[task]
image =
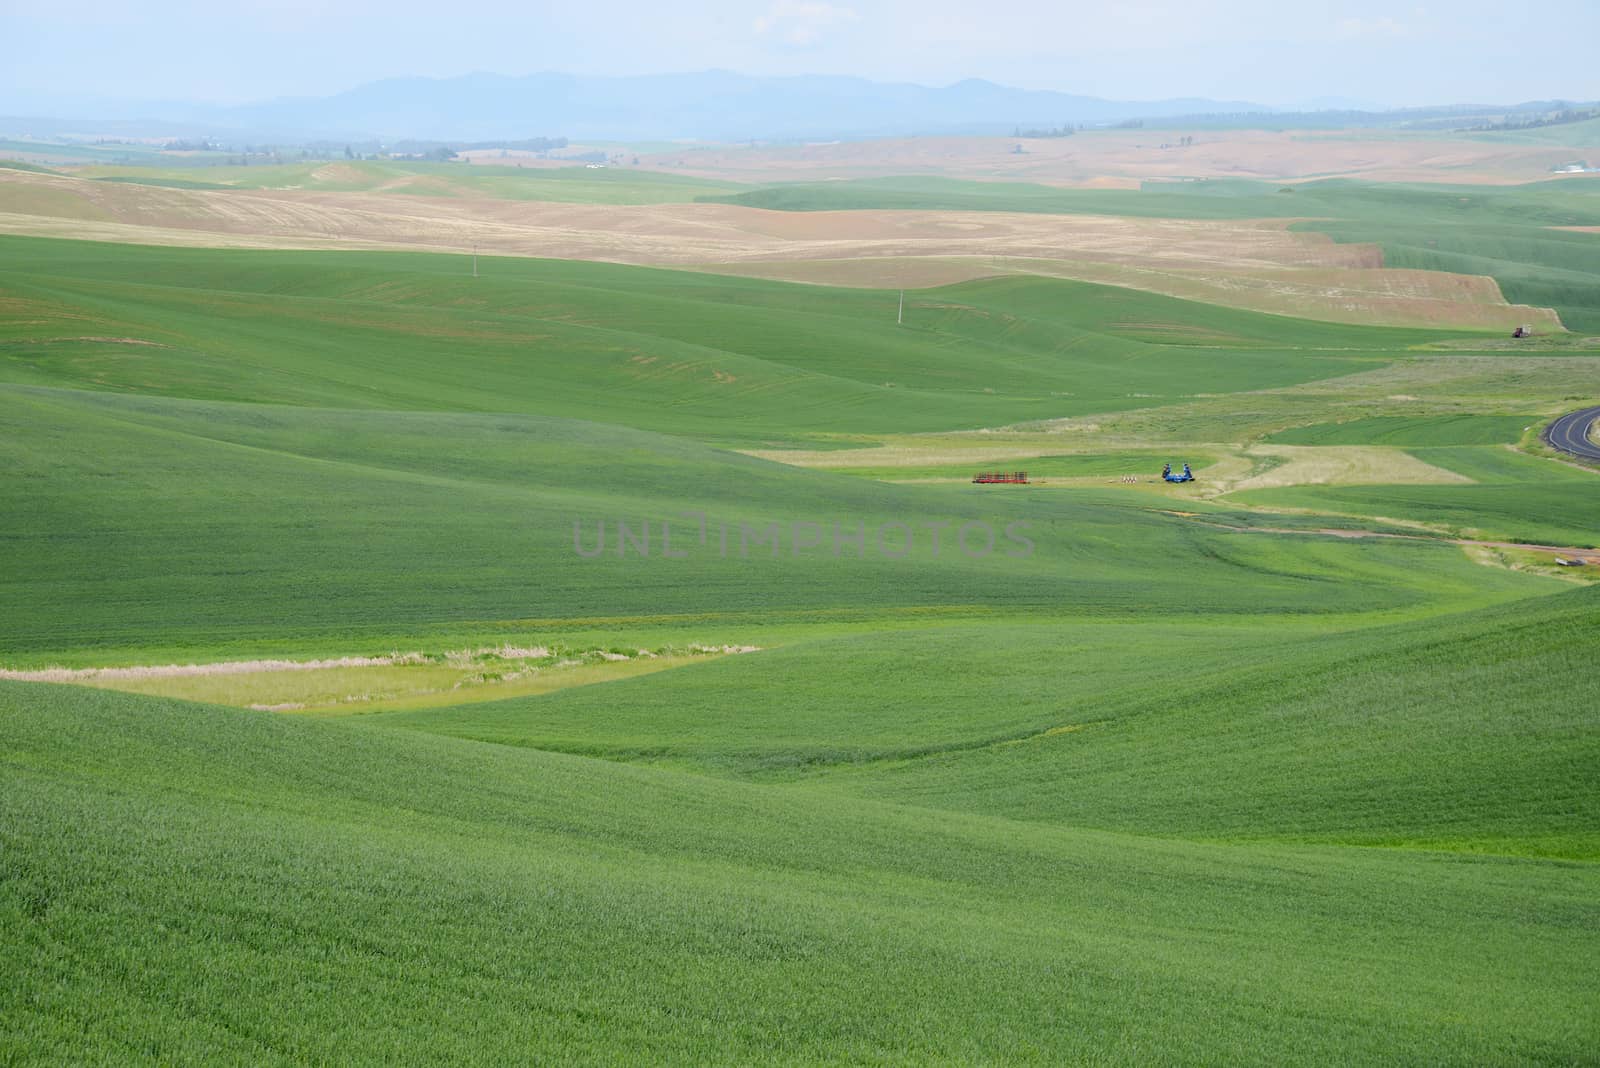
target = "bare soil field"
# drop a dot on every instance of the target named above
(1096, 158)
(1254, 264)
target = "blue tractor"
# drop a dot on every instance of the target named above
(1168, 476)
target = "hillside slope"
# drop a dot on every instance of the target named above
(190, 883)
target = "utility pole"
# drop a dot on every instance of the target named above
(900, 316)
(474, 259)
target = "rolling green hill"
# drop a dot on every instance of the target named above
(1126, 786)
(177, 525)
(1176, 729)
(186, 883)
(673, 351)
(429, 440)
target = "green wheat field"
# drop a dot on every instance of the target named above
(1114, 772)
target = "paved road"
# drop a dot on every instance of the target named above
(1570, 433)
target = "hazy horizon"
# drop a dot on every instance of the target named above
(1368, 53)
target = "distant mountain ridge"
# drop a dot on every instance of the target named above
(709, 105)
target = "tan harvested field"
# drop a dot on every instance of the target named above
(1104, 157)
(1254, 264)
(1340, 465)
(1372, 295)
(662, 233)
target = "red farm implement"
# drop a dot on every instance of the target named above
(1001, 478)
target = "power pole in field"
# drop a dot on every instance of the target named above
(474, 259)
(900, 316)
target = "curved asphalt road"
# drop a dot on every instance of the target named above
(1570, 434)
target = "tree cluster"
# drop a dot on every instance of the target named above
(1559, 118)
(1066, 129)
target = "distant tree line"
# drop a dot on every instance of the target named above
(447, 149)
(1066, 129)
(1453, 117)
(244, 155)
(1559, 118)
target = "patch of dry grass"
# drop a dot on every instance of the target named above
(231, 667)
(357, 684)
(1340, 465)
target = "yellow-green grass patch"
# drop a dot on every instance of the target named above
(354, 685)
(1340, 465)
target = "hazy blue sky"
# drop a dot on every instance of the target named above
(1276, 52)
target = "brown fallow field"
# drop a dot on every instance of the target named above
(1254, 264)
